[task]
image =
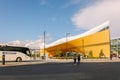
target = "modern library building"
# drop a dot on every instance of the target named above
(93, 43)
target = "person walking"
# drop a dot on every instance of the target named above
(74, 57)
(79, 58)
(110, 56)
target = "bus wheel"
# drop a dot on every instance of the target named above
(19, 59)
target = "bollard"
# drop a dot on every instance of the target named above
(3, 58)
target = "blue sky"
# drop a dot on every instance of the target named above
(27, 19)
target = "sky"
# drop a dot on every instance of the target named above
(23, 22)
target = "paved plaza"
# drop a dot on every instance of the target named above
(56, 70)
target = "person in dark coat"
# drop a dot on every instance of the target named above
(110, 56)
(74, 57)
(79, 58)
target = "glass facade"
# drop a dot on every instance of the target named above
(115, 46)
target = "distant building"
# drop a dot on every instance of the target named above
(93, 43)
(35, 51)
(115, 46)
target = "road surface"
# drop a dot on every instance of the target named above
(62, 71)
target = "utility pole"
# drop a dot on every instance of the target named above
(44, 45)
(67, 43)
(83, 47)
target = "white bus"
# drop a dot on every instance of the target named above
(13, 53)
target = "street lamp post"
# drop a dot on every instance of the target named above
(67, 43)
(118, 47)
(83, 46)
(44, 45)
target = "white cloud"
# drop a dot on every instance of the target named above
(36, 44)
(32, 44)
(98, 13)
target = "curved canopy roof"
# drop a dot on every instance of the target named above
(91, 31)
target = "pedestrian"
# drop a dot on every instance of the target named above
(79, 58)
(110, 56)
(74, 57)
